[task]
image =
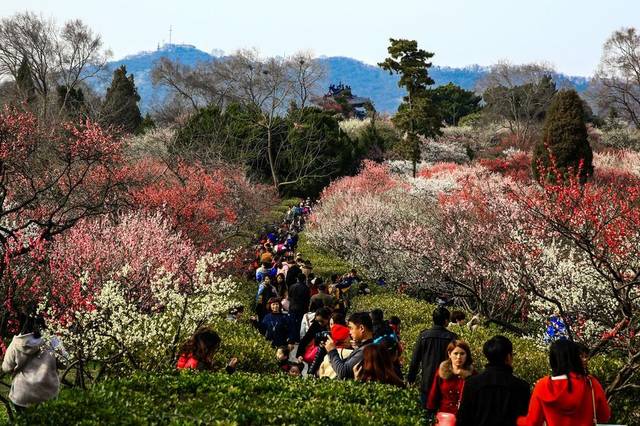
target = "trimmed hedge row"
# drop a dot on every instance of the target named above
(324, 262)
(243, 341)
(218, 398)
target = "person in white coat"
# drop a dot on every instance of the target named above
(32, 364)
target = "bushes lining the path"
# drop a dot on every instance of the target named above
(218, 398)
(324, 262)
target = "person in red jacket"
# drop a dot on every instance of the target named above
(446, 388)
(567, 398)
(197, 352)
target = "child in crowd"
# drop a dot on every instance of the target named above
(284, 363)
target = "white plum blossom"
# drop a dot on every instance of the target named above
(148, 338)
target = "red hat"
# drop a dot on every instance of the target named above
(339, 333)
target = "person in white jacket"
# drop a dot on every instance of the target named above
(308, 318)
(32, 365)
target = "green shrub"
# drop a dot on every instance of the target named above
(412, 312)
(243, 341)
(278, 212)
(218, 398)
(324, 262)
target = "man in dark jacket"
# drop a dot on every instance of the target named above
(323, 298)
(299, 296)
(292, 273)
(495, 397)
(430, 350)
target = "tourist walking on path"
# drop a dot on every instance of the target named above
(293, 271)
(266, 291)
(323, 297)
(342, 339)
(377, 366)
(308, 347)
(307, 319)
(430, 350)
(568, 398)
(494, 397)
(275, 326)
(299, 296)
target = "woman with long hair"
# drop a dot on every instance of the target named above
(377, 366)
(198, 352)
(446, 390)
(281, 285)
(570, 397)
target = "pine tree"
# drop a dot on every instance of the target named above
(71, 100)
(565, 138)
(120, 106)
(24, 81)
(417, 115)
(454, 102)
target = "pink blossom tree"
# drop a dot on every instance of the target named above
(50, 178)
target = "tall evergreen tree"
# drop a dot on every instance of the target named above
(24, 81)
(565, 138)
(71, 100)
(120, 106)
(417, 114)
(454, 102)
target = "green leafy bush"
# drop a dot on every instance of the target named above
(278, 212)
(411, 311)
(218, 398)
(243, 341)
(324, 263)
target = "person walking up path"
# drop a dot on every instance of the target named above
(429, 351)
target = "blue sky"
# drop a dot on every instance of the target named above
(567, 33)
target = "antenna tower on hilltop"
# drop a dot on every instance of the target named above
(170, 31)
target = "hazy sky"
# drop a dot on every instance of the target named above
(567, 33)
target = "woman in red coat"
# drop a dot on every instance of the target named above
(446, 389)
(569, 396)
(197, 352)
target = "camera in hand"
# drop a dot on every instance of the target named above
(321, 337)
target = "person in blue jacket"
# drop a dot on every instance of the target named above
(276, 325)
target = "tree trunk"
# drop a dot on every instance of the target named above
(415, 149)
(270, 156)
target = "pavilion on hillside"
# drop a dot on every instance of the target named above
(339, 98)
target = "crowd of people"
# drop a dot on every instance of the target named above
(305, 321)
(308, 323)
(454, 392)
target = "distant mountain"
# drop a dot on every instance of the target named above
(365, 80)
(141, 65)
